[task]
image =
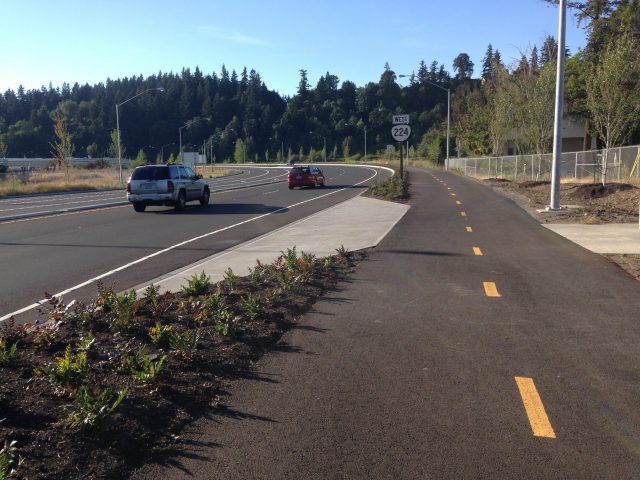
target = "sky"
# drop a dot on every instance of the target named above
(88, 41)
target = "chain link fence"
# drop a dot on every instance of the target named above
(618, 164)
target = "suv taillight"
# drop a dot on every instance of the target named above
(170, 186)
(128, 187)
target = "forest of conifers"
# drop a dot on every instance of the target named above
(241, 118)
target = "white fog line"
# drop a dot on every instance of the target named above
(181, 244)
(59, 204)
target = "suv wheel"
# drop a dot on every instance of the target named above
(182, 201)
(204, 200)
(139, 206)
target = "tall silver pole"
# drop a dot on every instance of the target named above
(180, 135)
(446, 163)
(282, 151)
(365, 144)
(557, 130)
(119, 151)
(324, 149)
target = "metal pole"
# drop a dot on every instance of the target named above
(324, 149)
(119, 151)
(282, 151)
(180, 135)
(365, 144)
(446, 165)
(557, 131)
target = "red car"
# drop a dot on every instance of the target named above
(309, 176)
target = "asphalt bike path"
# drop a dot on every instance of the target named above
(472, 344)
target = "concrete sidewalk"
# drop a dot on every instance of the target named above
(616, 238)
(355, 224)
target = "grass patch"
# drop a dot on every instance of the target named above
(42, 181)
(393, 188)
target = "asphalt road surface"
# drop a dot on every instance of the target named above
(68, 252)
(473, 344)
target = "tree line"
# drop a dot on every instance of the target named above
(237, 117)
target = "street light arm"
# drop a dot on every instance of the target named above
(429, 82)
(160, 89)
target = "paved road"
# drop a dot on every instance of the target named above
(474, 344)
(35, 205)
(58, 252)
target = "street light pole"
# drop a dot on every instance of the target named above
(118, 105)
(557, 130)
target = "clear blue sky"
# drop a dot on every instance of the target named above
(44, 41)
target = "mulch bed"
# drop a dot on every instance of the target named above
(237, 321)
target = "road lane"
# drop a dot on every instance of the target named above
(49, 204)
(58, 252)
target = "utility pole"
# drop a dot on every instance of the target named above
(557, 129)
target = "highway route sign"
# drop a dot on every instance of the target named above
(400, 133)
(391, 149)
(400, 119)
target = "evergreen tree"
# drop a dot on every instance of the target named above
(487, 63)
(463, 66)
(533, 62)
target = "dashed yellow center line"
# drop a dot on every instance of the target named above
(490, 289)
(463, 214)
(469, 229)
(538, 418)
(448, 188)
(477, 251)
(458, 202)
(453, 194)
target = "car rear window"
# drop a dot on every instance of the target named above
(300, 170)
(150, 173)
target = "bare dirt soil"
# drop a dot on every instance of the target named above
(591, 204)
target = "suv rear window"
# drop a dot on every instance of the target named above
(150, 173)
(300, 170)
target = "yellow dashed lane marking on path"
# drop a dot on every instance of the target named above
(535, 409)
(490, 289)
(469, 229)
(477, 251)
(448, 188)
(453, 194)
(458, 202)
(463, 214)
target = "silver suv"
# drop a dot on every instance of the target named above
(170, 185)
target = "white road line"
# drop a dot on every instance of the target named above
(269, 193)
(181, 244)
(59, 204)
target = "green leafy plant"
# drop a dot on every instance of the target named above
(258, 274)
(209, 306)
(225, 323)
(106, 298)
(252, 306)
(11, 332)
(143, 367)
(152, 295)
(10, 460)
(81, 314)
(68, 371)
(197, 285)
(342, 251)
(47, 335)
(9, 354)
(186, 343)
(160, 335)
(231, 279)
(91, 407)
(290, 258)
(125, 309)
(165, 303)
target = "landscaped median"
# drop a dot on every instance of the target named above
(98, 389)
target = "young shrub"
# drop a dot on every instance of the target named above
(69, 371)
(106, 298)
(10, 460)
(91, 408)
(186, 344)
(152, 296)
(209, 307)
(9, 355)
(125, 310)
(343, 252)
(225, 323)
(142, 366)
(258, 274)
(231, 279)
(47, 335)
(253, 307)
(290, 258)
(197, 285)
(160, 335)
(11, 333)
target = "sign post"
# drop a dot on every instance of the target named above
(401, 131)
